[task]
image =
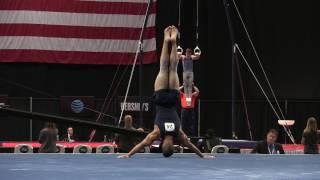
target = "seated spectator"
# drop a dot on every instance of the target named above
(310, 137)
(126, 142)
(70, 136)
(211, 141)
(269, 146)
(48, 138)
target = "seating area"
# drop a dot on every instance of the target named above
(23, 148)
(105, 147)
(63, 147)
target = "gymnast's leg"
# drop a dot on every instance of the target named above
(162, 78)
(187, 83)
(174, 60)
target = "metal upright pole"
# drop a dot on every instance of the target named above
(140, 89)
(199, 117)
(233, 68)
(140, 56)
(137, 55)
(30, 121)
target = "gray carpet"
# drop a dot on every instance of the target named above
(154, 167)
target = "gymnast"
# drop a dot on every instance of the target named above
(166, 97)
(187, 64)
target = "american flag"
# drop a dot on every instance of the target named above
(75, 31)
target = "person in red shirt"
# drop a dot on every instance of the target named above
(188, 119)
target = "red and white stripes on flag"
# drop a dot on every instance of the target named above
(75, 31)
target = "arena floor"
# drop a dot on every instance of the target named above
(154, 166)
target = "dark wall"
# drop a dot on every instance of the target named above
(286, 37)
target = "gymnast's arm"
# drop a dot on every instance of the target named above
(181, 56)
(146, 142)
(195, 57)
(181, 88)
(196, 91)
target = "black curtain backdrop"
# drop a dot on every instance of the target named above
(286, 37)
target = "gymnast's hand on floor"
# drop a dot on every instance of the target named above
(208, 157)
(124, 156)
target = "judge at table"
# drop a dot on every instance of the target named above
(70, 136)
(269, 146)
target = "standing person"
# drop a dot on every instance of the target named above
(270, 145)
(188, 75)
(48, 138)
(166, 97)
(310, 137)
(128, 123)
(188, 115)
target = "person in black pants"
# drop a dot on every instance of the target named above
(310, 137)
(48, 138)
(269, 146)
(188, 115)
(166, 97)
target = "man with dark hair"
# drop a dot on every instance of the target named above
(70, 136)
(188, 115)
(48, 138)
(269, 146)
(166, 96)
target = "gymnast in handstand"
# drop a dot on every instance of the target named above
(166, 97)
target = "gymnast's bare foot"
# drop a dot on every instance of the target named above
(167, 34)
(174, 34)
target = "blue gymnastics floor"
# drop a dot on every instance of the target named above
(155, 167)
